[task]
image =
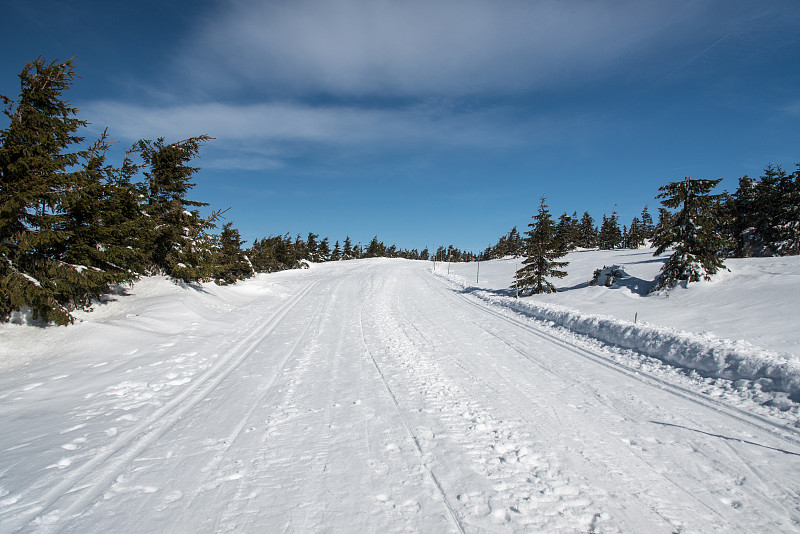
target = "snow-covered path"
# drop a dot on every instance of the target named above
(372, 397)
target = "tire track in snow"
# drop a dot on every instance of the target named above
(94, 476)
(454, 519)
(519, 488)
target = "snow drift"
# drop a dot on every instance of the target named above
(704, 353)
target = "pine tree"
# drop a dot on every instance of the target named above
(375, 248)
(347, 251)
(565, 232)
(177, 237)
(37, 170)
(324, 250)
(312, 247)
(336, 254)
(587, 232)
(692, 232)
(647, 224)
(791, 214)
(101, 213)
(634, 237)
(231, 263)
(542, 250)
(514, 242)
(610, 236)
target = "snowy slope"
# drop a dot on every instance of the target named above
(754, 301)
(370, 396)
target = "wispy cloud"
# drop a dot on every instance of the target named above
(337, 125)
(266, 136)
(414, 47)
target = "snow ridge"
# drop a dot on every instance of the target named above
(705, 353)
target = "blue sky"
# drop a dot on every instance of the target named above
(430, 121)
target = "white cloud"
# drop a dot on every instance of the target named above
(298, 123)
(413, 47)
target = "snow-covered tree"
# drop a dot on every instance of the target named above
(692, 232)
(53, 255)
(542, 249)
(347, 250)
(231, 263)
(178, 239)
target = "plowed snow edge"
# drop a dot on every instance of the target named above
(710, 356)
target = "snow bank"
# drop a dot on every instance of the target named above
(705, 353)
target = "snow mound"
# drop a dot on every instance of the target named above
(705, 353)
(607, 276)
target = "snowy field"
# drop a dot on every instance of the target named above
(379, 396)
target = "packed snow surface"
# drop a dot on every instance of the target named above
(377, 396)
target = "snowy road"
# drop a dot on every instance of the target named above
(372, 397)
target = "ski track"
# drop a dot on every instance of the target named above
(95, 475)
(376, 398)
(789, 435)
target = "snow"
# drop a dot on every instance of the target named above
(733, 359)
(372, 395)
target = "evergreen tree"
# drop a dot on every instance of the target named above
(566, 232)
(635, 235)
(178, 238)
(743, 215)
(692, 232)
(324, 250)
(37, 172)
(610, 236)
(646, 224)
(587, 232)
(790, 212)
(515, 242)
(102, 216)
(232, 263)
(312, 247)
(347, 251)
(543, 251)
(375, 248)
(300, 250)
(336, 254)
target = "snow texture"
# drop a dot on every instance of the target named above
(371, 396)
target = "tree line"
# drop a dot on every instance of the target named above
(281, 252)
(72, 224)
(761, 218)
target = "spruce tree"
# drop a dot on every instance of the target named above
(177, 237)
(312, 247)
(635, 235)
(336, 254)
(565, 232)
(791, 214)
(101, 213)
(646, 224)
(692, 232)
(542, 250)
(587, 232)
(38, 167)
(514, 242)
(347, 250)
(231, 263)
(324, 250)
(610, 236)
